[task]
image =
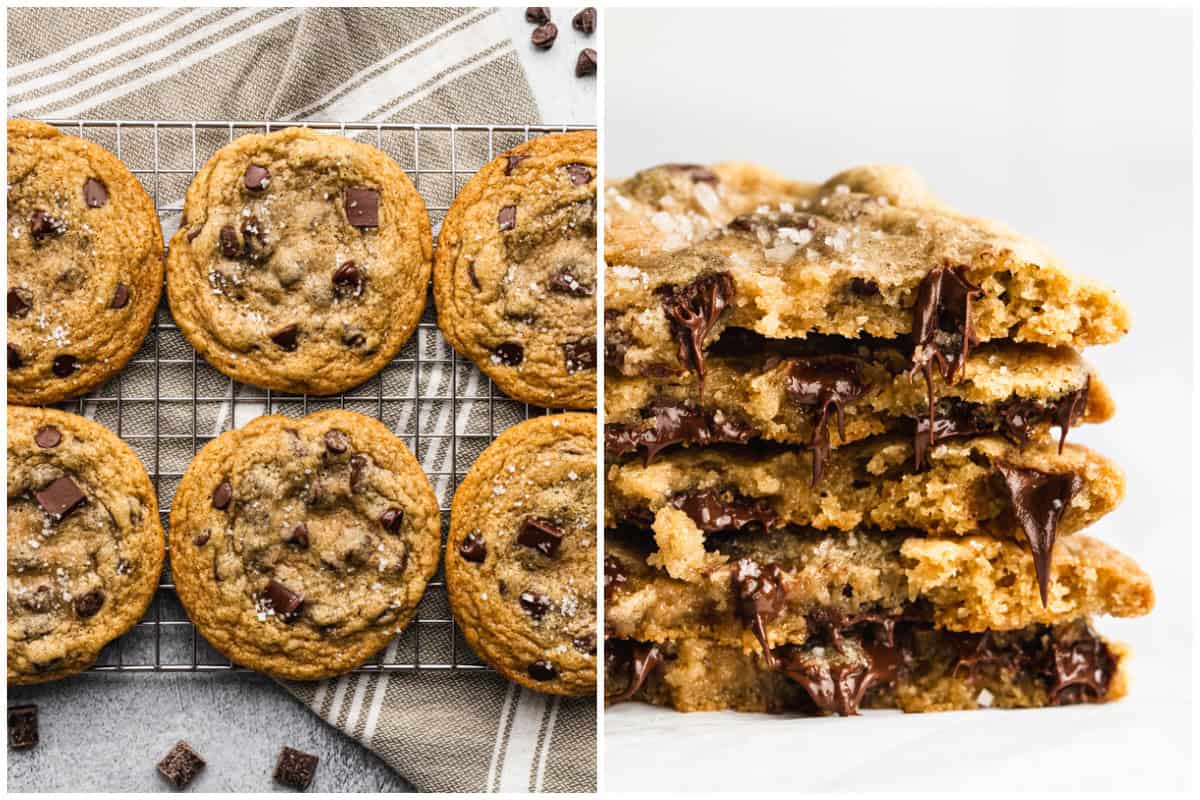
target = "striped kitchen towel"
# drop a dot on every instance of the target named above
(447, 731)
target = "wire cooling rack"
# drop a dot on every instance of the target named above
(167, 402)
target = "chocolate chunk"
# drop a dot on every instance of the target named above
(1080, 670)
(22, 727)
(194, 232)
(60, 498)
(714, 513)
(641, 662)
(256, 178)
(1039, 500)
(88, 605)
(181, 765)
(392, 520)
(586, 63)
(693, 311)
(299, 536)
(362, 207)
(284, 601)
(543, 36)
(95, 193)
(358, 465)
(14, 357)
(63, 365)
(614, 575)
(538, 15)
(542, 671)
(287, 338)
(959, 420)
(534, 604)
(295, 768)
(822, 383)
(510, 354)
(585, 644)
(228, 242)
(1070, 409)
(581, 175)
(201, 539)
(863, 287)
(540, 534)
(585, 21)
(19, 303)
(120, 297)
(674, 423)
(473, 548)
(580, 355)
(255, 242)
(563, 281)
(941, 328)
(336, 441)
(759, 596)
(507, 218)
(42, 226)
(348, 280)
(512, 163)
(48, 437)
(698, 173)
(222, 495)
(835, 683)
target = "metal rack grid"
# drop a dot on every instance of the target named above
(167, 402)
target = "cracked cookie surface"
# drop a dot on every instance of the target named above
(85, 264)
(302, 261)
(301, 547)
(521, 555)
(85, 544)
(515, 277)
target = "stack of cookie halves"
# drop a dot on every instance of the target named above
(837, 467)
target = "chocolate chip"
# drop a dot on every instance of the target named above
(473, 548)
(759, 597)
(542, 671)
(392, 520)
(194, 232)
(295, 769)
(534, 604)
(42, 226)
(541, 534)
(716, 512)
(348, 280)
(22, 727)
(222, 495)
(586, 63)
(580, 174)
(14, 357)
(358, 464)
(544, 35)
(95, 193)
(283, 600)
(256, 178)
(120, 297)
(564, 282)
(362, 207)
(19, 303)
(255, 242)
(507, 218)
(1039, 500)
(510, 354)
(228, 242)
(863, 287)
(299, 536)
(201, 539)
(614, 575)
(585, 21)
(642, 660)
(822, 383)
(286, 338)
(64, 365)
(336, 441)
(693, 311)
(88, 605)
(585, 644)
(513, 161)
(181, 766)
(942, 330)
(580, 355)
(537, 14)
(674, 423)
(60, 498)
(48, 437)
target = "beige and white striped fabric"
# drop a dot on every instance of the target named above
(442, 731)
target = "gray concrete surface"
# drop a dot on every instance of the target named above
(106, 732)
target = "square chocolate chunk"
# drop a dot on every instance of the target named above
(181, 765)
(295, 769)
(22, 727)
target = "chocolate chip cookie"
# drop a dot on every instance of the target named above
(521, 556)
(515, 278)
(300, 547)
(85, 544)
(302, 261)
(85, 264)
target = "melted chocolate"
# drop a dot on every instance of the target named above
(759, 595)
(673, 423)
(693, 311)
(1039, 500)
(1081, 671)
(941, 327)
(837, 685)
(640, 662)
(822, 383)
(715, 512)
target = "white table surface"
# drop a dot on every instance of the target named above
(560, 96)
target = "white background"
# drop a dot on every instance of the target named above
(1072, 126)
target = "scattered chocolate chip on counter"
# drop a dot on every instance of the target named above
(543, 36)
(181, 766)
(22, 727)
(539, 15)
(585, 21)
(586, 63)
(295, 769)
